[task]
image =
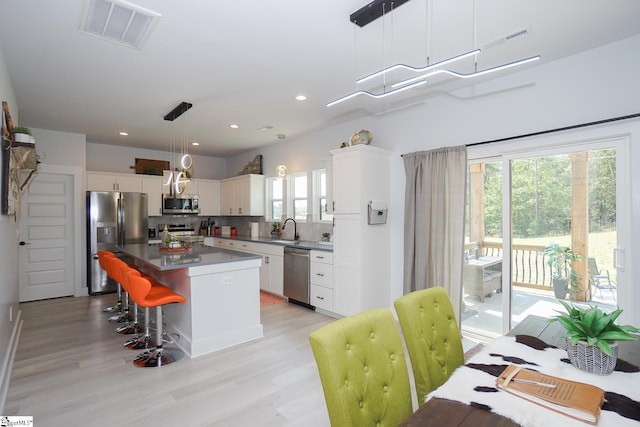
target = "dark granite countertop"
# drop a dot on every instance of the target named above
(199, 255)
(305, 244)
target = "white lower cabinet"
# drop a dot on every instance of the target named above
(321, 279)
(274, 281)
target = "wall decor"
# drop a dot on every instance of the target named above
(254, 166)
(19, 163)
(150, 167)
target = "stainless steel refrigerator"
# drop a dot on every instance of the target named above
(113, 219)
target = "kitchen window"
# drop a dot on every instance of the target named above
(320, 197)
(275, 198)
(298, 196)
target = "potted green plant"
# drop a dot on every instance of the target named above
(592, 336)
(563, 277)
(275, 232)
(21, 134)
(325, 236)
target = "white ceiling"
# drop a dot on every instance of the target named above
(244, 61)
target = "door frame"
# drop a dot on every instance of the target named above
(79, 229)
(608, 136)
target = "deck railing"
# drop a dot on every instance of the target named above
(529, 268)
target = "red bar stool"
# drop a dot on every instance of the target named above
(141, 341)
(141, 292)
(114, 270)
(102, 255)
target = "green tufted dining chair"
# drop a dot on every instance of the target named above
(363, 370)
(432, 337)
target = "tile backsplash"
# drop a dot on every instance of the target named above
(311, 231)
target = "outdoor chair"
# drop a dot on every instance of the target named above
(600, 279)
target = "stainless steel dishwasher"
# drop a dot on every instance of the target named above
(296, 275)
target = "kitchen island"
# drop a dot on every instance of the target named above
(222, 291)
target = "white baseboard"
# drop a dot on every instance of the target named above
(5, 371)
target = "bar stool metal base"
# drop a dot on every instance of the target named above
(121, 318)
(129, 329)
(139, 342)
(158, 357)
(112, 309)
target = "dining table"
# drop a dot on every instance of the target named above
(451, 404)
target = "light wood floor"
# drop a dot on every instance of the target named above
(71, 370)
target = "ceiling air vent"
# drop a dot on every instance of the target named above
(118, 21)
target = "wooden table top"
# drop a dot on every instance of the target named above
(446, 413)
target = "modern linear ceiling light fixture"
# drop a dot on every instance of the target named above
(118, 21)
(418, 69)
(376, 95)
(431, 70)
(423, 77)
(361, 17)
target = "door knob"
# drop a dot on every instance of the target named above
(22, 243)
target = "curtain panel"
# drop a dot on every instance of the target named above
(435, 195)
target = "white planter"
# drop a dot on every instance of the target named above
(22, 137)
(591, 359)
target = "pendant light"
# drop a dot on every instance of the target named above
(430, 70)
(179, 178)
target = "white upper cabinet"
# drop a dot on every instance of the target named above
(102, 181)
(209, 197)
(242, 196)
(360, 175)
(152, 185)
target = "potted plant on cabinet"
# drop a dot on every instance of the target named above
(21, 134)
(592, 336)
(326, 236)
(563, 277)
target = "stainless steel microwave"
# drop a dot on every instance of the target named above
(183, 204)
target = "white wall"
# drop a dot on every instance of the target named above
(594, 85)
(9, 258)
(113, 158)
(60, 148)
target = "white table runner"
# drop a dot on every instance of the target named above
(465, 381)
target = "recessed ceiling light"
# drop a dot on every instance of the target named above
(195, 143)
(234, 126)
(301, 97)
(123, 133)
(265, 127)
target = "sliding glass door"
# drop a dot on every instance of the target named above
(520, 204)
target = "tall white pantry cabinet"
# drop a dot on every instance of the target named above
(360, 250)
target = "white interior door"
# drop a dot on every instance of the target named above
(46, 238)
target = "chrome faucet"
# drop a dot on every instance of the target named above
(296, 236)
